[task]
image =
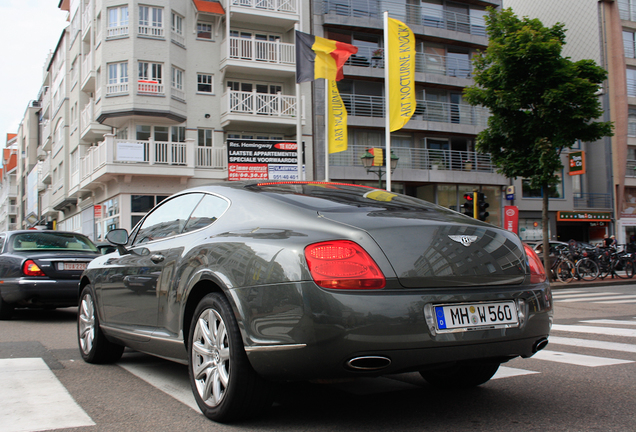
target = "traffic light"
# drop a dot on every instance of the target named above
(468, 208)
(482, 205)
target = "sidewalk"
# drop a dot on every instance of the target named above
(598, 281)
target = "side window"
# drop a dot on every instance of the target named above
(209, 209)
(1, 242)
(167, 219)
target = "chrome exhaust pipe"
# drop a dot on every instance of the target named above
(368, 363)
(539, 345)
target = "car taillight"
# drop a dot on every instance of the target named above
(30, 268)
(537, 272)
(343, 264)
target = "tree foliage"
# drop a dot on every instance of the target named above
(540, 102)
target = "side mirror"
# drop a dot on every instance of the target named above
(119, 238)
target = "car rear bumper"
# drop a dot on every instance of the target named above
(33, 292)
(300, 331)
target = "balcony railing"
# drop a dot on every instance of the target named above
(444, 112)
(211, 157)
(259, 103)
(592, 200)
(88, 115)
(262, 51)
(421, 159)
(177, 37)
(87, 17)
(149, 87)
(631, 168)
(116, 89)
(87, 66)
(427, 16)
(287, 6)
(116, 31)
(152, 31)
(424, 63)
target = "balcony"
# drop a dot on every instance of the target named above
(592, 201)
(45, 134)
(631, 168)
(88, 73)
(150, 31)
(44, 172)
(422, 159)
(114, 32)
(245, 55)
(91, 129)
(430, 111)
(116, 157)
(87, 19)
(258, 107)
(276, 13)
(424, 63)
(117, 89)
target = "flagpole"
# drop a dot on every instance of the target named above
(299, 126)
(326, 129)
(387, 120)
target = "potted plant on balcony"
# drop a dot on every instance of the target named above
(437, 162)
(376, 56)
(468, 165)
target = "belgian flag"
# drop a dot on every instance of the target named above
(318, 57)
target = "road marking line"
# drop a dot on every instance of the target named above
(507, 372)
(599, 297)
(612, 322)
(578, 359)
(595, 330)
(33, 399)
(583, 295)
(168, 378)
(618, 301)
(568, 292)
(588, 343)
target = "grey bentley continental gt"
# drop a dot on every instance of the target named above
(251, 283)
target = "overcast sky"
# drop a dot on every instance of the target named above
(29, 30)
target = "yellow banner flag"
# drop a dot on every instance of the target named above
(401, 64)
(337, 115)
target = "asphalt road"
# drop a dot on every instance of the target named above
(585, 380)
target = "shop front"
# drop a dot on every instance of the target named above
(591, 227)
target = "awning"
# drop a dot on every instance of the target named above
(209, 7)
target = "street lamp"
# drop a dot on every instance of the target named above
(367, 161)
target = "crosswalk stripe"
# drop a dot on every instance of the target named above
(33, 399)
(507, 372)
(599, 297)
(618, 301)
(568, 292)
(578, 359)
(610, 331)
(611, 322)
(589, 343)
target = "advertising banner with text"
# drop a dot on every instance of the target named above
(262, 160)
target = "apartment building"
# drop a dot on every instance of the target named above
(140, 99)
(436, 148)
(584, 206)
(8, 185)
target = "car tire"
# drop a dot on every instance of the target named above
(461, 374)
(6, 310)
(93, 345)
(224, 384)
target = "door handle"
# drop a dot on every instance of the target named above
(157, 258)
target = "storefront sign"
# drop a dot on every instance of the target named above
(263, 160)
(510, 193)
(97, 211)
(577, 163)
(511, 218)
(584, 216)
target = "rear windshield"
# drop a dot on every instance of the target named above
(337, 197)
(52, 241)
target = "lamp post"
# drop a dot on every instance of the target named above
(367, 161)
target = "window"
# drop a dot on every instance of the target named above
(205, 137)
(142, 204)
(177, 83)
(628, 44)
(204, 83)
(631, 123)
(177, 29)
(117, 78)
(631, 82)
(209, 210)
(555, 191)
(178, 134)
(151, 21)
(117, 22)
(168, 219)
(150, 77)
(627, 9)
(204, 30)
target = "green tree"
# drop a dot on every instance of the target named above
(540, 102)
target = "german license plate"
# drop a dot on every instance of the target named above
(74, 266)
(476, 315)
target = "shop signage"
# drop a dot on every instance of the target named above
(510, 193)
(97, 211)
(511, 218)
(584, 216)
(577, 163)
(262, 160)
